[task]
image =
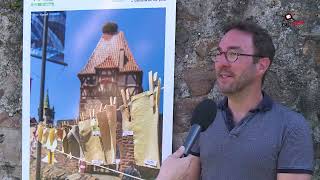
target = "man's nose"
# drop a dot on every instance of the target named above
(222, 60)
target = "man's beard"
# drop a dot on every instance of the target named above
(238, 84)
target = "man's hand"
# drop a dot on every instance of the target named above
(175, 167)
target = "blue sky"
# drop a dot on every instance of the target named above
(144, 30)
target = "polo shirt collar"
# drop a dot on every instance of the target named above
(264, 105)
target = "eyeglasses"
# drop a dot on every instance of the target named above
(231, 55)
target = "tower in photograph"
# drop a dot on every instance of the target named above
(48, 112)
(110, 68)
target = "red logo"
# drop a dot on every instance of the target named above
(297, 23)
(291, 21)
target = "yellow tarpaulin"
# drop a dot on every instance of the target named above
(144, 124)
(92, 148)
(45, 135)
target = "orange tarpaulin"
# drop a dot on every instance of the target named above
(107, 121)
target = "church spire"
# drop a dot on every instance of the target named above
(46, 103)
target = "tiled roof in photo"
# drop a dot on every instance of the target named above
(108, 63)
(131, 66)
(107, 55)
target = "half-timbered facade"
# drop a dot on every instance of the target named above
(110, 68)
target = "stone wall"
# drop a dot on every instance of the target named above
(10, 153)
(293, 78)
(10, 89)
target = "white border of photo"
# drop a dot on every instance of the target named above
(62, 5)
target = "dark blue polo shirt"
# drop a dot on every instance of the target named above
(270, 139)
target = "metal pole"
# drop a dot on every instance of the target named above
(43, 76)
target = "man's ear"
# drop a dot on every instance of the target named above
(263, 65)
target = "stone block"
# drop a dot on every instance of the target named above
(183, 113)
(199, 80)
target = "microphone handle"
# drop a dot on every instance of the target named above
(191, 138)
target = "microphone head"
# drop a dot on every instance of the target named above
(204, 114)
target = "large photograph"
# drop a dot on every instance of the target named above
(98, 108)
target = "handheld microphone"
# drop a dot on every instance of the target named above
(202, 116)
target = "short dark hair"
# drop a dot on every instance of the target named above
(262, 41)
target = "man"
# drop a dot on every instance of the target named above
(252, 137)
